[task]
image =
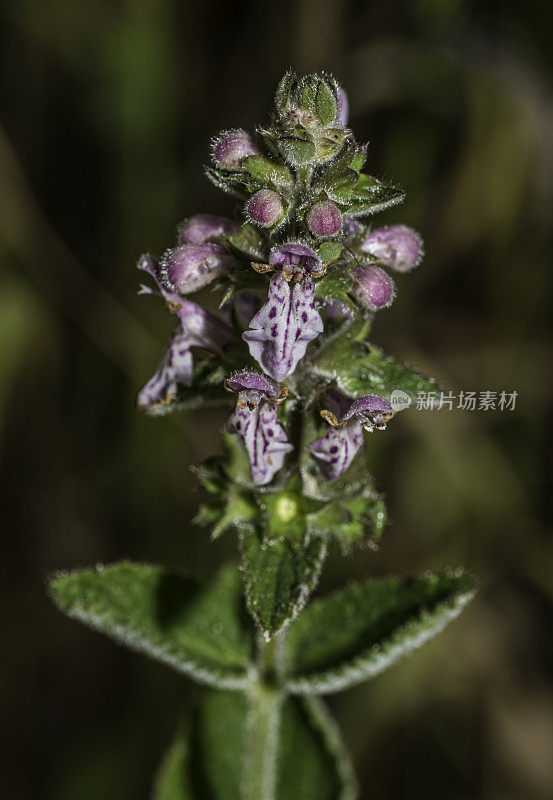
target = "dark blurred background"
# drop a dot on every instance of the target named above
(107, 111)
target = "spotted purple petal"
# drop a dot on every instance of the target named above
(264, 439)
(175, 367)
(337, 448)
(203, 228)
(295, 255)
(282, 329)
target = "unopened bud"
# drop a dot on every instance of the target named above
(395, 246)
(190, 267)
(265, 208)
(203, 228)
(342, 114)
(232, 147)
(324, 219)
(372, 287)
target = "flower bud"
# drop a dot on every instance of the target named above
(351, 228)
(395, 246)
(265, 208)
(324, 219)
(232, 147)
(190, 267)
(342, 114)
(372, 287)
(203, 228)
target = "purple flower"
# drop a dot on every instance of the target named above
(198, 329)
(324, 219)
(232, 147)
(372, 287)
(255, 419)
(265, 208)
(202, 228)
(252, 387)
(395, 246)
(175, 367)
(284, 326)
(338, 447)
(189, 267)
(294, 257)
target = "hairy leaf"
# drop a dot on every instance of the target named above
(360, 369)
(249, 243)
(356, 633)
(197, 631)
(279, 577)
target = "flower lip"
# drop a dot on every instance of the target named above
(295, 257)
(370, 411)
(252, 388)
(253, 380)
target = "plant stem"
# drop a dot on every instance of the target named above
(264, 699)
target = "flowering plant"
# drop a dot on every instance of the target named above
(300, 277)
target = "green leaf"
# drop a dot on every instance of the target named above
(329, 251)
(197, 631)
(359, 520)
(356, 633)
(173, 780)
(371, 195)
(307, 759)
(267, 171)
(249, 243)
(297, 151)
(335, 285)
(360, 368)
(340, 186)
(330, 143)
(237, 184)
(279, 576)
(284, 90)
(325, 104)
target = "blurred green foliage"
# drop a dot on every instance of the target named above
(107, 111)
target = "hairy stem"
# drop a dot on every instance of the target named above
(264, 700)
